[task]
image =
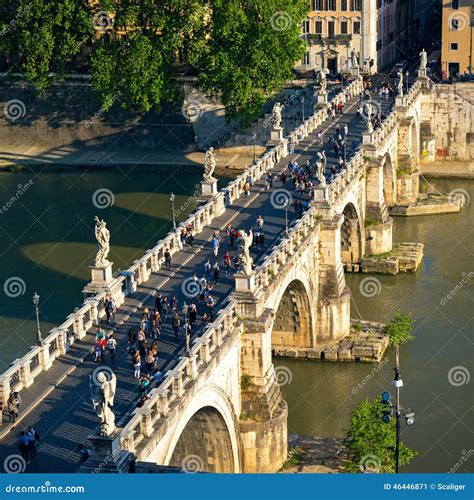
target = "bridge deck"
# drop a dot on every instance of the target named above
(64, 417)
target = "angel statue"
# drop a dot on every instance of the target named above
(102, 235)
(246, 243)
(423, 59)
(323, 83)
(276, 115)
(400, 84)
(321, 164)
(210, 165)
(370, 127)
(354, 59)
(103, 393)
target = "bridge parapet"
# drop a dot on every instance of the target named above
(23, 371)
(152, 417)
(276, 260)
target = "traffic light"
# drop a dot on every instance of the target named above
(387, 410)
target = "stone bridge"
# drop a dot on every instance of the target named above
(220, 409)
(222, 405)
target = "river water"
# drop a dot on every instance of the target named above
(47, 244)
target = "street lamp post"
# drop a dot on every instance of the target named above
(397, 382)
(39, 338)
(172, 198)
(302, 107)
(286, 217)
(407, 74)
(254, 138)
(396, 409)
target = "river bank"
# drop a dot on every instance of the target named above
(315, 455)
(230, 160)
(448, 169)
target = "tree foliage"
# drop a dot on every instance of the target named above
(400, 328)
(371, 442)
(253, 47)
(241, 50)
(42, 36)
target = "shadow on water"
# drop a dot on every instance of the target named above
(47, 238)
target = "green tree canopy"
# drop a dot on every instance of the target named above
(253, 47)
(400, 328)
(371, 442)
(42, 36)
(241, 50)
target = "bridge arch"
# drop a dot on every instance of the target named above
(389, 180)
(351, 236)
(293, 300)
(206, 438)
(294, 317)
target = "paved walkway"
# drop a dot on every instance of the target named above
(64, 418)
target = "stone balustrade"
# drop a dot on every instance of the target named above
(23, 371)
(275, 261)
(166, 397)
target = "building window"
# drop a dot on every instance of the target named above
(343, 27)
(318, 5)
(356, 4)
(356, 27)
(331, 30)
(455, 4)
(318, 27)
(331, 4)
(306, 59)
(305, 27)
(344, 5)
(454, 46)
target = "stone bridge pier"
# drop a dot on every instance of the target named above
(304, 304)
(408, 184)
(379, 230)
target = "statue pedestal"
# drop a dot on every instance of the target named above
(101, 275)
(276, 134)
(209, 193)
(322, 98)
(103, 280)
(422, 73)
(245, 282)
(208, 188)
(320, 193)
(107, 457)
(367, 137)
(355, 71)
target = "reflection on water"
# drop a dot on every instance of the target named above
(321, 395)
(47, 238)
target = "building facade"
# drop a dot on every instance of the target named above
(333, 29)
(386, 33)
(457, 51)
